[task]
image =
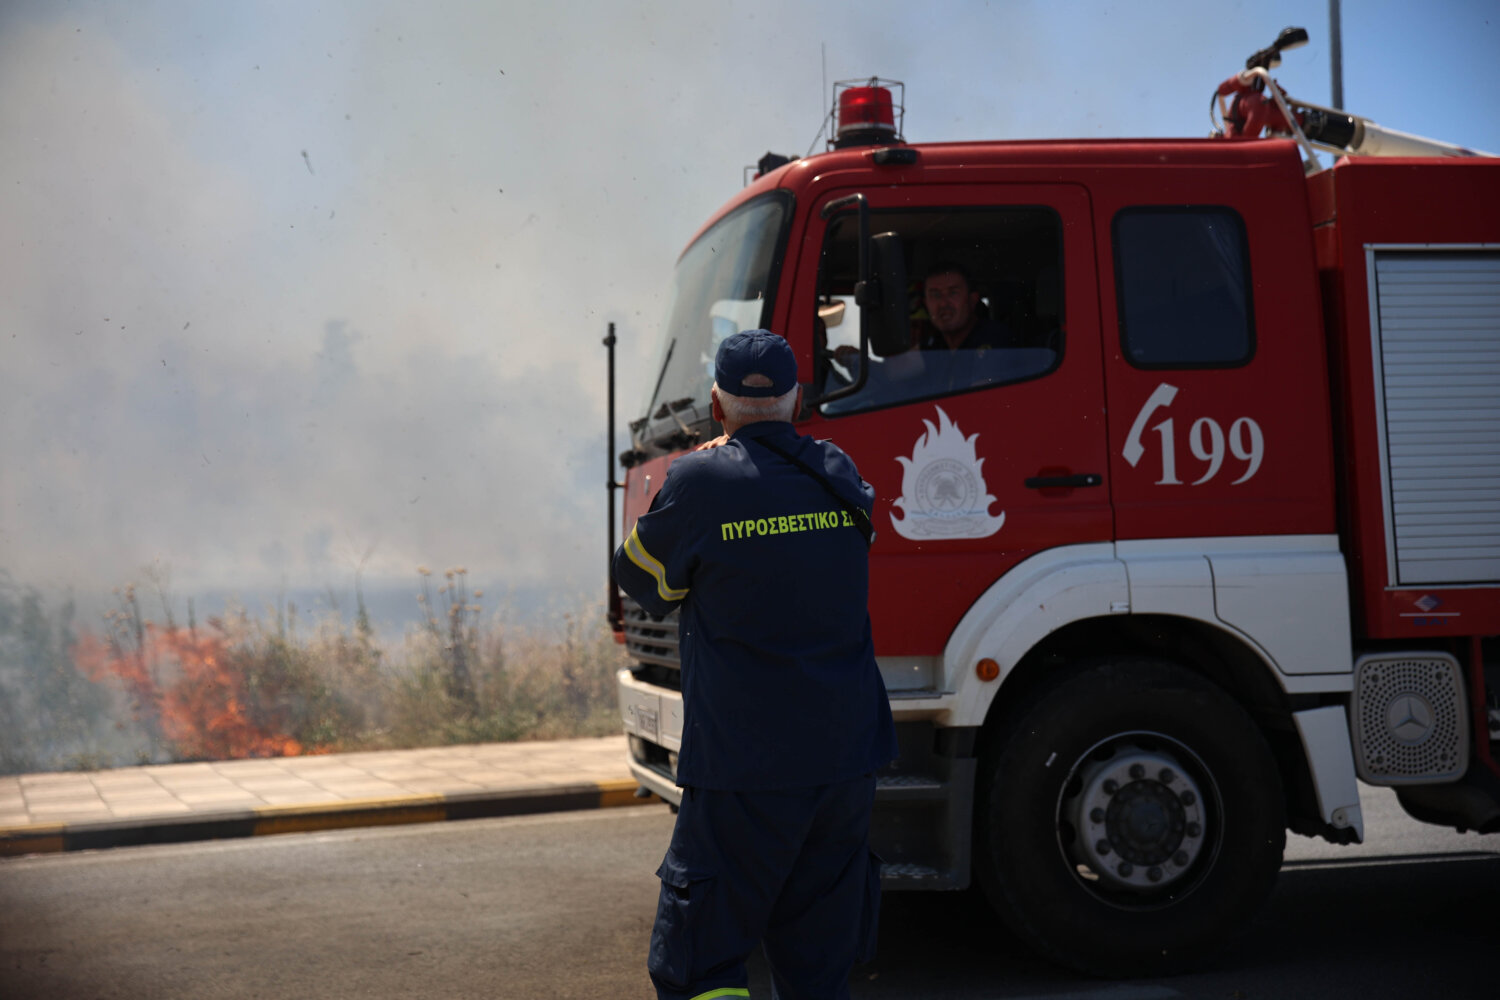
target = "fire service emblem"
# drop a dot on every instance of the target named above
(942, 489)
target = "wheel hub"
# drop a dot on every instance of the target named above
(1139, 819)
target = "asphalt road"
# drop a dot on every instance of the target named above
(560, 906)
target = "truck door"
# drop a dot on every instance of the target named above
(980, 455)
(1214, 357)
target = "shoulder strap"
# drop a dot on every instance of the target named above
(856, 512)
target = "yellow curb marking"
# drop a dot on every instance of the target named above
(393, 802)
(622, 793)
(350, 813)
(31, 830)
(307, 822)
(43, 843)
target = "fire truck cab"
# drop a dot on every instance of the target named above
(1204, 532)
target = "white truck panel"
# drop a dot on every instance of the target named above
(1286, 596)
(1292, 602)
(1169, 583)
(1325, 737)
(1042, 594)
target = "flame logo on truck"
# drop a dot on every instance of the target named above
(942, 488)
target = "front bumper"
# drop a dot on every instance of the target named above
(652, 719)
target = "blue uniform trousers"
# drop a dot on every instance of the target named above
(791, 868)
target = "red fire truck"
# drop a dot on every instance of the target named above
(1212, 536)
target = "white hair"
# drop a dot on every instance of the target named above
(741, 410)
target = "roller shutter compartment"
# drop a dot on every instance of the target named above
(1436, 319)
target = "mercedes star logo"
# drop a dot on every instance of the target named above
(1409, 718)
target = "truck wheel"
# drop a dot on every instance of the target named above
(1130, 820)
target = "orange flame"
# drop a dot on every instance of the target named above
(207, 710)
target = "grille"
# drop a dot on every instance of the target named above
(650, 641)
(1410, 719)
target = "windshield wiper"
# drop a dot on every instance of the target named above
(665, 362)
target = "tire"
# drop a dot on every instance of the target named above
(1130, 820)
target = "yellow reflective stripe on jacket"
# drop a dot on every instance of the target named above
(646, 561)
(728, 991)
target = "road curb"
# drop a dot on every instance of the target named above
(53, 838)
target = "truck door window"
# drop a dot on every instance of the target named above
(1010, 259)
(1182, 276)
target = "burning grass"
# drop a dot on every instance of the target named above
(236, 686)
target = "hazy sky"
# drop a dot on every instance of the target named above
(288, 285)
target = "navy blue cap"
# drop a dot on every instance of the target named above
(755, 352)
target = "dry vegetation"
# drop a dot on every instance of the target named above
(141, 689)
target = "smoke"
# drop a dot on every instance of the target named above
(287, 293)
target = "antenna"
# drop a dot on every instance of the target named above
(1336, 53)
(822, 94)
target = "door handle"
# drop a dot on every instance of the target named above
(1064, 482)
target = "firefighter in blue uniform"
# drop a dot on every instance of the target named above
(762, 542)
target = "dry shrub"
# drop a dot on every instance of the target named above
(526, 683)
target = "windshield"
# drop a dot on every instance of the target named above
(725, 282)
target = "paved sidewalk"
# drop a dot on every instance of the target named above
(168, 803)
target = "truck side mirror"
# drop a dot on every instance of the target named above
(886, 313)
(880, 293)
